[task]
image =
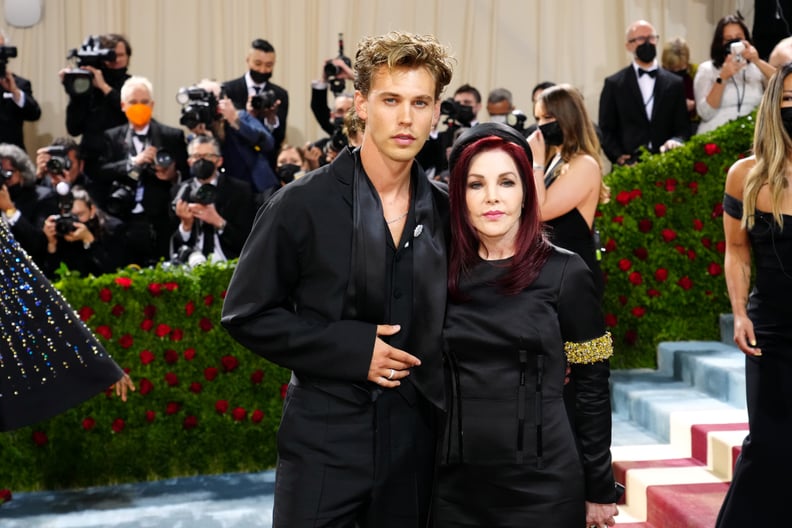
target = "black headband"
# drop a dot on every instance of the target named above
(483, 130)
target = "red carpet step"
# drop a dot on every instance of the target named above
(685, 505)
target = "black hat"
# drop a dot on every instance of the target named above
(483, 130)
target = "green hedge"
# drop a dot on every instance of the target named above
(663, 234)
(203, 405)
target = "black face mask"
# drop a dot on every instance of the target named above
(260, 78)
(681, 73)
(287, 171)
(113, 76)
(786, 118)
(646, 52)
(202, 169)
(552, 134)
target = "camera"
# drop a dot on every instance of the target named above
(6, 52)
(64, 221)
(736, 49)
(59, 161)
(516, 119)
(5, 175)
(162, 159)
(338, 140)
(457, 114)
(188, 256)
(77, 81)
(121, 199)
(205, 194)
(265, 99)
(331, 71)
(198, 106)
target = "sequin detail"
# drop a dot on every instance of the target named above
(588, 352)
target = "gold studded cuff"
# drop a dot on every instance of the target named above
(586, 353)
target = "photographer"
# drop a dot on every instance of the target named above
(82, 236)
(245, 143)
(99, 108)
(17, 104)
(24, 204)
(61, 161)
(215, 212)
(143, 161)
(341, 102)
(270, 103)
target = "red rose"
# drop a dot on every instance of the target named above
(717, 210)
(105, 295)
(680, 249)
(623, 197)
(635, 193)
(162, 330)
(229, 363)
(641, 253)
(171, 379)
(125, 341)
(671, 184)
(239, 414)
(700, 167)
(205, 324)
(150, 416)
(618, 219)
(124, 282)
(221, 406)
(40, 438)
(693, 186)
(210, 373)
(171, 356)
(5, 495)
(88, 423)
(635, 278)
(190, 422)
(706, 242)
(660, 210)
(630, 337)
(284, 390)
(155, 289)
(117, 310)
(149, 311)
(257, 376)
(644, 225)
(720, 246)
(685, 283)
(661, 274)
(177, 334)
(611, 320)
(668, 234)
(610, 245)
(86, 312)
(147, 325)
(171, 286)
(623, 299)
(118, 425)
(189, 354)
(146, 357)
(256, 416)
(196, 387)
(714, 269)
(189, 308)
(624, 264)
(691, 254)
(172, 407)
(145, 386)
(208, 300)
(651, 292)
(638, 311)
(711, 149)
(698, 225)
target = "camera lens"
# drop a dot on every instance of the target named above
(163, 158)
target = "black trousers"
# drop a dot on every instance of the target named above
(354, 464)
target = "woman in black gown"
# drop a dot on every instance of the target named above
(49, 360)
(758, 221)
(519, 309)
(568, 173)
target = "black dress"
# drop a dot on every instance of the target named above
(760, 490)
(509, 456)
(49, 360)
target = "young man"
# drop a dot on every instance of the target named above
(352, 301)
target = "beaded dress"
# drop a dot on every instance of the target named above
(49, 360)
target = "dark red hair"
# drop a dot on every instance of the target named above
(531, 245)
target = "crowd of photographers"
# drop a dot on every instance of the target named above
(136, 191)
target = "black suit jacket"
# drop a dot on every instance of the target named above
(234, 202)
(287, 297)
(12, 116)
(237, 91)
(622, 118)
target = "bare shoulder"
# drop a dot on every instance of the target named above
(584, 166)
(735, 178)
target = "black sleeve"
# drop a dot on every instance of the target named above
(609, 122)
(320, 109)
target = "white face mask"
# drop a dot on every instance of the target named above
(499, 118)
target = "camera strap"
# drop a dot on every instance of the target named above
(208, 233)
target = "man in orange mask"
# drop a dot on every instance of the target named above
(143, 160)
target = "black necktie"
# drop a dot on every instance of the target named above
(257, 89)
(650, 73)
(208, 232)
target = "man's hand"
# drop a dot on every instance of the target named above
(389, 364)
(148, 155)
(98, 79)
(670, 144)
(206, 213)
(9, 85)
(226, 109)
(51, 233)
(185, 214)
(5, 199)
(344, 73)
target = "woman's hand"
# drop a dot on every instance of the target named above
(744, 336)
(122, 386)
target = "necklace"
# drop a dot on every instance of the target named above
(389, 222)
